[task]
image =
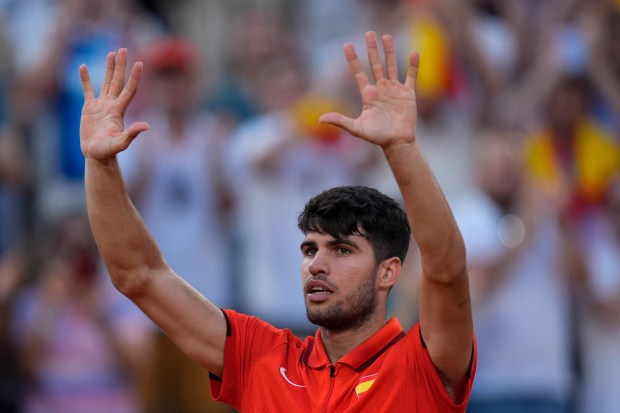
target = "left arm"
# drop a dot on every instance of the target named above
(388, 119)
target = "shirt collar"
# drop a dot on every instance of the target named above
(362, 355)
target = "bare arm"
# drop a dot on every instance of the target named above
(134, 261)
(388, 119)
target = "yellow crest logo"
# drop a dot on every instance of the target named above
(365, 384)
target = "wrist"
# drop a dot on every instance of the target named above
(101, 162)
(399, 145)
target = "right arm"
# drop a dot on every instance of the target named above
(388, 119)
(135, 264)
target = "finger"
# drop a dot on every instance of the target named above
(376, 67)
(355, 67)
(341, 121)
(109, 71)
(412, 73)
(87, 85)
(129, 91)
(118, 78)
(391, 67)
(130, 134)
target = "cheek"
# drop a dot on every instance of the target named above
(355, 276)
(305, 266)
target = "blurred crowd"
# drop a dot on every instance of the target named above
(518, 116)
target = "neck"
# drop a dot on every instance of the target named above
(338, 343)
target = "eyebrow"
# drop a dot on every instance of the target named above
(333, 242)
(307, 244)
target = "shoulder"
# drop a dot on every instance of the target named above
(431, 379)
(250, 328)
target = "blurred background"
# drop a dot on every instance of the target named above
(518, 115)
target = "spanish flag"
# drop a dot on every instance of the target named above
(429, 39)
(596, 161)
(365, 384)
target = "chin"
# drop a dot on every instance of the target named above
(335, 319)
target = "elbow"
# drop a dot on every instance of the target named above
(447, 265)
(131, 283)
(446, 274)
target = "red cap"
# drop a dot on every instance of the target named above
(172, 53)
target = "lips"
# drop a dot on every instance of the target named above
(317, 288)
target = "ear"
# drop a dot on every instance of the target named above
(389, 270)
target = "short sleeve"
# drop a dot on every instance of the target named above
(435, 393)
(247, 339)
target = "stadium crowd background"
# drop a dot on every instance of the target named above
(518, 115)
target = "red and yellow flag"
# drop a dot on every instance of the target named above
(365, 384)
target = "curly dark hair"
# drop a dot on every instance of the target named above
(358, 210)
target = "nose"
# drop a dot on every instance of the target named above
(318, 264)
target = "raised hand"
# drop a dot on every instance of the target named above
(389, 107)
(102, 132)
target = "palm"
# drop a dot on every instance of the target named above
(101, 129)
(102, 134)
(389, 107)
(388, 113)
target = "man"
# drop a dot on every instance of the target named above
(357, 361)
(522, 266)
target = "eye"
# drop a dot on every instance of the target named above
(343, 251)
(309, 252)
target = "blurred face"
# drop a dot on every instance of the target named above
(281, 84)
(339, 277)
(567, 105)
(175, 90)
(72, 263)
(502, 165)
(78, 251)
(256, 39)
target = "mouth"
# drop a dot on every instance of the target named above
(316, 290)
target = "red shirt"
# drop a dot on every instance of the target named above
(270, 370)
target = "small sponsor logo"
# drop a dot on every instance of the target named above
(283, 373)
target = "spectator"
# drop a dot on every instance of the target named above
(571, 147)
(15, 177)
(600, 319)
(77, 354)
(602, 28)
(174, 177)
(520, 287)
(48, 99)
(257, 36)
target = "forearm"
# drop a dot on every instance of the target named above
(432, 224)
(444, 303)
(123, 240)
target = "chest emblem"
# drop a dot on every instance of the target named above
(365, 384)
(283, 373)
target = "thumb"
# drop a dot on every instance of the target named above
(341, 121)
(132, 132)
